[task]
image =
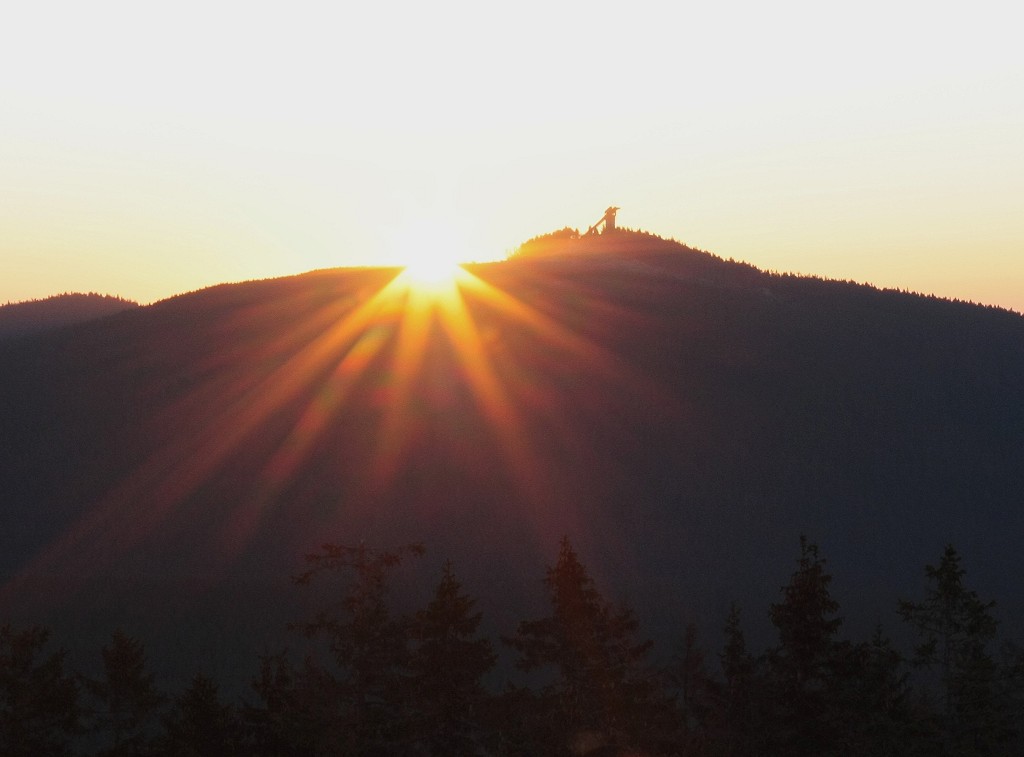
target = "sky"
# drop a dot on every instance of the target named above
(151, 149)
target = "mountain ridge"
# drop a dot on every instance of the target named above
(683, 421)
(57, 311)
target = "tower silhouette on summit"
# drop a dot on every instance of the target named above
(608, 219)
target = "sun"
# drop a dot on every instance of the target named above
(432, 266)
(431, 252)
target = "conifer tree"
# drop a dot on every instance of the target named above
(287, 723)
(806, 622)
(803, 664)
(737, 663)
(365, 698)
(873, 700)
(200, 725)
(955, 629)
(127, 701)
(38, 698)
(447, 666)
(697, 694)
(601, 692)
(738, 727)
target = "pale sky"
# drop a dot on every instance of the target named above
(150, 149)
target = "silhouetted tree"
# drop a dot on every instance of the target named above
(955, 629)
(365, 700)
(288, 721)
(38, 698)
(803, 665)
(126, 701)
(200, 725)
(697, 694)
(602, 693)
(739, 730)
(1012, 692)
(447, 665)
(873, 712)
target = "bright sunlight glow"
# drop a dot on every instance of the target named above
(431, 272)
(431, 251)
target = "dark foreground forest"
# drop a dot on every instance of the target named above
(366, 679)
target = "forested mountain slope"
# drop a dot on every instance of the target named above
(683, 419)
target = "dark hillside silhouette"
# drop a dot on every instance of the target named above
(680, 417)
(20, 318)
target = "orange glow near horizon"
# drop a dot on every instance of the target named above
(903, 168)
(396, 337)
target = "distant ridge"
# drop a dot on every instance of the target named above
(32, 316)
